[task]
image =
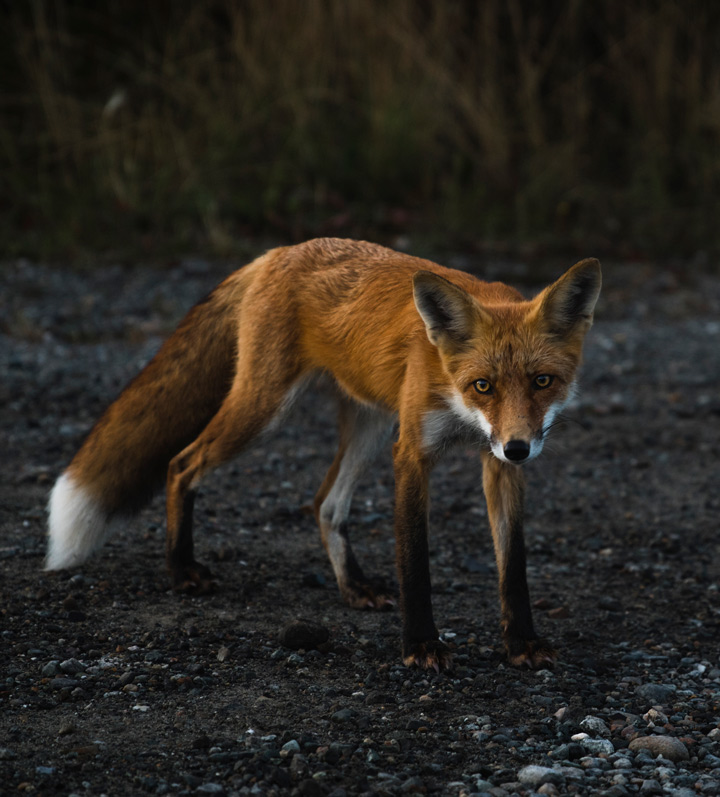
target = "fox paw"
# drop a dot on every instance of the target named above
(534, 654)
(193, 579)
(431, 655)
(367, 596)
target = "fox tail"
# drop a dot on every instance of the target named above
(123, 462)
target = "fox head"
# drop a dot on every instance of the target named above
(512, 363)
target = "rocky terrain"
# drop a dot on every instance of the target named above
(112, 684)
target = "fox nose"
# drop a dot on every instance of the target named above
(516, 450)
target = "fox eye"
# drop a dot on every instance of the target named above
(543, 381)
(482, 386)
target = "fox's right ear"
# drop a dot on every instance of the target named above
(449, 313)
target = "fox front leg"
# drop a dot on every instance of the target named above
(504, 486)
(421, 644)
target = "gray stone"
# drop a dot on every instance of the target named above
(598, 746)
(72, 666)
(344, 715)
(413, 785)
(51, 669)
(210, 788)
(655, 694)
(651, 786)
(290, 748)
(595, 725)
(534, 776)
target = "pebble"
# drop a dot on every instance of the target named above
(51, 669)
(655, 694)
(210, 788)
(598, 746)
(595, 725)
(534, 776)
(344, 715)
(303, 634)
(413, 785)
(666, 746)
(290, 748)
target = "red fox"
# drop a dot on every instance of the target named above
(442, 355)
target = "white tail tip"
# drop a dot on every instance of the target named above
(77, 524)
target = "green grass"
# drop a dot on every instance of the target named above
(156, 127)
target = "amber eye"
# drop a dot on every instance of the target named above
(482, 386)
(543, 381)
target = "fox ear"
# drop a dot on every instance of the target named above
(449, 312)
(570, 301)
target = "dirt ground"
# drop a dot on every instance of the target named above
(112, 684)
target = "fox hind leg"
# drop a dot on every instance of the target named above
(363, 432)
(248, 409)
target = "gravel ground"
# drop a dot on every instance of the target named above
(112, 684)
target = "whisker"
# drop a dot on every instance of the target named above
(559, 421)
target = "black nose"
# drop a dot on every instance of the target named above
(516, 450)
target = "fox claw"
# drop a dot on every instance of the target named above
(537, 653)
(365, 596)
(195, 579)
(432, 655)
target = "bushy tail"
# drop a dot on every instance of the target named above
(124, 459)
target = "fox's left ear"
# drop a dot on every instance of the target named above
(568, 304)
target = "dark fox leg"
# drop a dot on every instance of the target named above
(363, 431)
(504, 487)
(245, 413)
(421, 643)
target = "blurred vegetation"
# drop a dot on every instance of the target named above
(587, 124)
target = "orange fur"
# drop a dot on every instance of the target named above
(403, 339)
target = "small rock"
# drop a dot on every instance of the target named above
(303, 634)
(377, 697)
(290, 748)
(413, 785)
(223, 653)
(598, 746)
(655, 717)
(210, 788)
(595, 725)
(559, 613)
(126, 678)
(298, 766)
(549, 789)
(666, 746)
(655, 694)
(64, 683)
(535, 776)
(70, 603)
(72, 666)
(66, 729)
(6, 754)
(45, 771)
(651, 786)
(344, 715)
(51, 669)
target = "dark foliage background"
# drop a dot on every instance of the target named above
(143, 126)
